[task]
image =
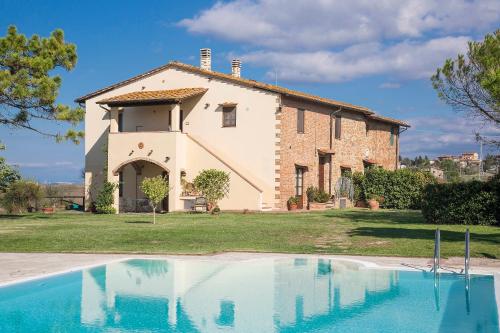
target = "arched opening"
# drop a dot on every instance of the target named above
(131, 174)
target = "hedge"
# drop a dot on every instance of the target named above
(471, 202)
(400, 189)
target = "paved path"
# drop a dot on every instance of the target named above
(20, 266)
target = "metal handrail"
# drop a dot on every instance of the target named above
(467, 252)
(437, 252)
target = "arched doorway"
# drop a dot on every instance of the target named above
(131, 174)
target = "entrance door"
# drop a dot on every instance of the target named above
(321, 173)
(299, 184)
(165, 201)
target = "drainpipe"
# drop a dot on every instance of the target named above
(400, 130)
(332, 114)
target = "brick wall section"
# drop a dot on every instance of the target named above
(355, 145)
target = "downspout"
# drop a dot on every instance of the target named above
(332, 114)
(400, 130)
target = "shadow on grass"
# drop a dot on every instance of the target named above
(139, 222)
(424, 234)
(22, 216)
(380, 216)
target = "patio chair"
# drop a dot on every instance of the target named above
(200, 204)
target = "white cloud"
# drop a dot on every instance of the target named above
(317, 25)
(407, 59)
(390, 85)
(444, 135)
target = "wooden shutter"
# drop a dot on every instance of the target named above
(300, 120)
(229, 116)
(338, 127)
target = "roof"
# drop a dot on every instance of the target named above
(246, 82)
(389, 120)
(153, 97)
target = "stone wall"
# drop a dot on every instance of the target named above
(355, 145)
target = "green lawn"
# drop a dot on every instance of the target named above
(385, 232)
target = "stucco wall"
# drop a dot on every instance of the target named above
(249, 144)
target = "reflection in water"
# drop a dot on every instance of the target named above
(285, 295)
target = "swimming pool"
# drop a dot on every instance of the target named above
(261, 295)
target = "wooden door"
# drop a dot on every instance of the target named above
(321, 173)
(164, 204)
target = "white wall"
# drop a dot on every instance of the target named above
(249, 146)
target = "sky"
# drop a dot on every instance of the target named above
(378, 54)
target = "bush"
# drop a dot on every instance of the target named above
(471, 202)
(105, 199)
(213, 184)
(315, 195)
(22, 196)
(401, 189)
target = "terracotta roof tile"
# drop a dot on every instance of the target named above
(389, 120)
(248, 83)
(156, 96)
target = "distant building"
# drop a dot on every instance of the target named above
(436, 172)
(470, 156)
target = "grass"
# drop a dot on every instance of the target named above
(357, 231)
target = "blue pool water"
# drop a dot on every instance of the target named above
(265, 295)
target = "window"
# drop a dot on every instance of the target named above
(120, 184)
(391, 140)
(120, 122)
(299, 175)
(300, 120)
(229, 116)
(338, 127)
(345, 172)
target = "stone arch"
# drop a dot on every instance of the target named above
(134, 163)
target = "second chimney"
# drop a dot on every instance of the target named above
(206, 59)
(236, 68)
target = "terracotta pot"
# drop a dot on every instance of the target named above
(317, 206)
(48, 210)
(292, 206)
(374, 205)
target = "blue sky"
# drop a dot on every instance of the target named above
(378, 55)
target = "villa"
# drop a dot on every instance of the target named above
(179, 119)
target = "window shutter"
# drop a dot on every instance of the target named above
(229, 116)
(338, 127)
(300, 120)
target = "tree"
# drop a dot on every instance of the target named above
(471, 83)
(28, 89)
(105, 199)
(21, 196)
(155, 189)
(8, 175)
(213, 184)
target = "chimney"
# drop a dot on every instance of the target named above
(206, 59)
(236, 68)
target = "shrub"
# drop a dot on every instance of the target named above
(471, 202)
(315, 195)
(357, 179)
(400, 189)
(8, 175)
(21, 196)
(155, 189)
(292, 201)
(105, 199)
(213, 184)
(322, 197)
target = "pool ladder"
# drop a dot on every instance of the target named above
(437, 264)
(437, 252)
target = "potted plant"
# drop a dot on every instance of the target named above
(319, 201)
(292, 203)
(374, 201)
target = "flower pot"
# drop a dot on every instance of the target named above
(317, 206)
(292, 206)
(373, 204)
(48, 210)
